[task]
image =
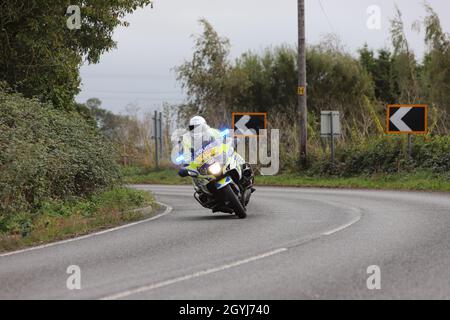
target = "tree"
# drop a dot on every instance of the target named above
(385, 89)
(269, 80)
(40, 56)
(205, 76)
(367, 59)
(405, 68)
(380, 68)
(337, 80)
(436, 69)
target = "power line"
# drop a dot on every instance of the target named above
(137, 99)
(126, 75)
(133, 92)
(326, 16)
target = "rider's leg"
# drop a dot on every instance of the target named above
(247, 173)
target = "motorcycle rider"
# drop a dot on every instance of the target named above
(199, 136)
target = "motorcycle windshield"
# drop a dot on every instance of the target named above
(206, 155)
(216, 151)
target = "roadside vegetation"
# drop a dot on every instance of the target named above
(58, 220)
(420, 180)
(63, 164)
(59, 173)
(359, 86)
(59, 176)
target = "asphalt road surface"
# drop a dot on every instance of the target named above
(295, 244)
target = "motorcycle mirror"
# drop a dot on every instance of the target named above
(183, 173)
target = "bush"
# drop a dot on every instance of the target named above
(433, 154)
(46, 154)
(387, 154)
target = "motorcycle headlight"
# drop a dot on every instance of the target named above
(215, 169)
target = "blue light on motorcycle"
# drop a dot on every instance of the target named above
(225, 132)
(179, 159)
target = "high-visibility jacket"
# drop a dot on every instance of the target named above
(190, 147)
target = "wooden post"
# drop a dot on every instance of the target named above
(302, 86)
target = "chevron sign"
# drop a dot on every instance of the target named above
(407, 119)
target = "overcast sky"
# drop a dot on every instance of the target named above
(139, 71)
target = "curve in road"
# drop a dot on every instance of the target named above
(295, 243)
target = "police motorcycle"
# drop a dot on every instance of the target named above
(222, 181)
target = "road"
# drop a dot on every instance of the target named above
(295, 244)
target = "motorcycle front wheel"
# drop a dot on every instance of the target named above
(228, 195)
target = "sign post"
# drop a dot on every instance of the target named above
(407, 119)
(160, 135)
(330, 127)
(157, 136)
(409, 146)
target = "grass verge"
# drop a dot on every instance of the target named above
(61, 220)
(420, 180)
(142, 175)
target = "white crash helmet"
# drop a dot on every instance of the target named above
(199, 129)
(196, 122)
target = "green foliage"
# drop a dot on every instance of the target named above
(142, 174)
(48, 154)
(404, 63)
(381, 70)
(387, 155)
(358, 87)
(268, 82)
(119, 198)
(336, 79)
(433, 154)
(110, 124)
(436, 69)
(205, 77)
(129, 134)
(57, 219)
(271, 81)
(40, 56)
(419, 180)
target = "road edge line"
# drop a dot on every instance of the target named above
(90, 235)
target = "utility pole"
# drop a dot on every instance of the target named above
(302, 87)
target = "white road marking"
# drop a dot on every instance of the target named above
(168, 210)
(345, 226)
(169, 282)
(182, 278)
(192, 276)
